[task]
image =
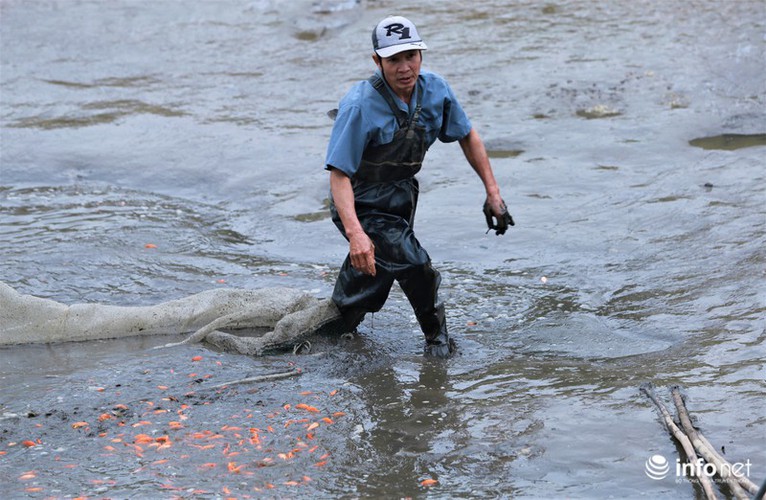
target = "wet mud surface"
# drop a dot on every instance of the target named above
(160, 149)
(131, 431)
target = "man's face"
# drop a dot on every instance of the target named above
(401, 71)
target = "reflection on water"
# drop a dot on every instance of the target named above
(201, 130)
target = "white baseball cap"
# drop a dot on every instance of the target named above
(396, 34)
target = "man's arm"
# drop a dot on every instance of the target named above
(361, 248)
(476, 154)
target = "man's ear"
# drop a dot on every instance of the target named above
(376, 58)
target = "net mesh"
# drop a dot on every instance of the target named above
(284, 315)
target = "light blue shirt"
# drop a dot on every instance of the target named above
(364, 118)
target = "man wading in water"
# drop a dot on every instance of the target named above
(382, 131)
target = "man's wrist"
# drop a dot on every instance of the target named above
(492, 191)
(356, 233)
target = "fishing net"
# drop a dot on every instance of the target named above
(282, 318)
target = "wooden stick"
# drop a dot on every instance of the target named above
(260, 378)
(707, 486)
(723, 467)
(744, 481)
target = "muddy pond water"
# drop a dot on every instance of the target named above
(628, 140)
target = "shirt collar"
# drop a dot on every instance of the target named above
(402, 105)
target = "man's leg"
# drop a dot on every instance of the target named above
(356, 294)
(421, 285)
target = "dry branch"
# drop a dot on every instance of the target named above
(259, 378)
(677, 433)
(704, 448)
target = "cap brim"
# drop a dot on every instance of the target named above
(395, 49)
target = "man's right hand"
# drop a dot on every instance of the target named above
(361, 249)
(362, 252)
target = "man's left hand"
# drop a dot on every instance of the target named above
(496, 209)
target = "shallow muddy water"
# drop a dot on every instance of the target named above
(628, 141)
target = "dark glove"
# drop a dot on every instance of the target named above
(503, 221)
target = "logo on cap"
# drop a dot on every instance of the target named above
(399, 29)
(395, 34)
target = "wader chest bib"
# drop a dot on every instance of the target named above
(385, 198)
(384, 181)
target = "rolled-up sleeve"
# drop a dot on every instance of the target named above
(455, 123)
(347, 141)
